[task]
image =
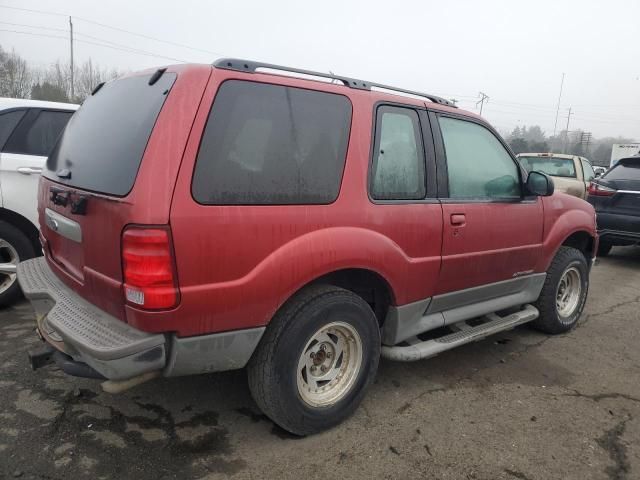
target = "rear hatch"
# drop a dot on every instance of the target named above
(618, 192)
(115, 165)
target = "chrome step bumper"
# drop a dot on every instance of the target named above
(418, 350)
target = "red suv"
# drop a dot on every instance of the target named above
(204, 218)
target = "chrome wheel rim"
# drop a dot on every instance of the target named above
(329, 364)
(568, 292)
(8, 265)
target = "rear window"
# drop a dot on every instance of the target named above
(558, 167)
(270, 144)
(624, 171)
(103, 143)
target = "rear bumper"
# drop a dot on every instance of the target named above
(115, 349)
(618, 237)
(618, 229)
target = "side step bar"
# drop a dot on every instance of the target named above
(418, 350)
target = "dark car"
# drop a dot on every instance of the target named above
(616, 198)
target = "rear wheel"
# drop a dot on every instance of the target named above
(564, 292)
(15, 246)
(316, 359)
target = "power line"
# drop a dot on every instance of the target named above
(66, 30)
(104, 25)
(33, 11)
(150, 38)
(39, 27)
(555, 126)
(123, 49)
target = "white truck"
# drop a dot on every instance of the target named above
(623, 150)
(28, 131)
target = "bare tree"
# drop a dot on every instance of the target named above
(87, 76)
(15, 76)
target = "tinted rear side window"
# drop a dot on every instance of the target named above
(8, 122)
(40, 137)
(624, 172)
(103, 143)
(270, 144)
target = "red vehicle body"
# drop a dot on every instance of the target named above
(235, 266)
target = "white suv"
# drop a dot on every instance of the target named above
(28, 131)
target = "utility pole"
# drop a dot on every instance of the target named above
(585, 141)
(566, 133)
(484, 98)
(555, 126)
(71, 47)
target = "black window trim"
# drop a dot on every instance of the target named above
(443, 172)
(26, 122)
(277, 84)
(428, 154)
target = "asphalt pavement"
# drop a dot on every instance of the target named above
(520, 405)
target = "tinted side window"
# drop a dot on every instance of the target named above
(270, 144)
(41, 136)
(587, 169)
(398, 156)
(478, 165)
(8, 122)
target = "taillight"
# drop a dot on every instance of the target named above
(598, 190)
(150, 279)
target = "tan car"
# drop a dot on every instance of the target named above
(571, 173)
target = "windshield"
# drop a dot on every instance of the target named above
(558, 167)
(102, 146)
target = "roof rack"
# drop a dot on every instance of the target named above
(252, 67)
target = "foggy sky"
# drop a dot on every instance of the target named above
(513, 51)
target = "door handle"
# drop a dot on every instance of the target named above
(29, 170)
(458, 219)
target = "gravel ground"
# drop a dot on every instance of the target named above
(519, 405)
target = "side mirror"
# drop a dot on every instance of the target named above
(539, 184)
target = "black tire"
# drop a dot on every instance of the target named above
(273, 368)
(24, 248)
(604, 248)
(550, 321)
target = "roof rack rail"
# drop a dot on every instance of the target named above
(251, 67)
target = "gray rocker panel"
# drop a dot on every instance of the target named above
(409, 320)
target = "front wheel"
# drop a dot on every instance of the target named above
(564, 292)
(316, 359)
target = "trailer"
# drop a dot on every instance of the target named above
(623, 150)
